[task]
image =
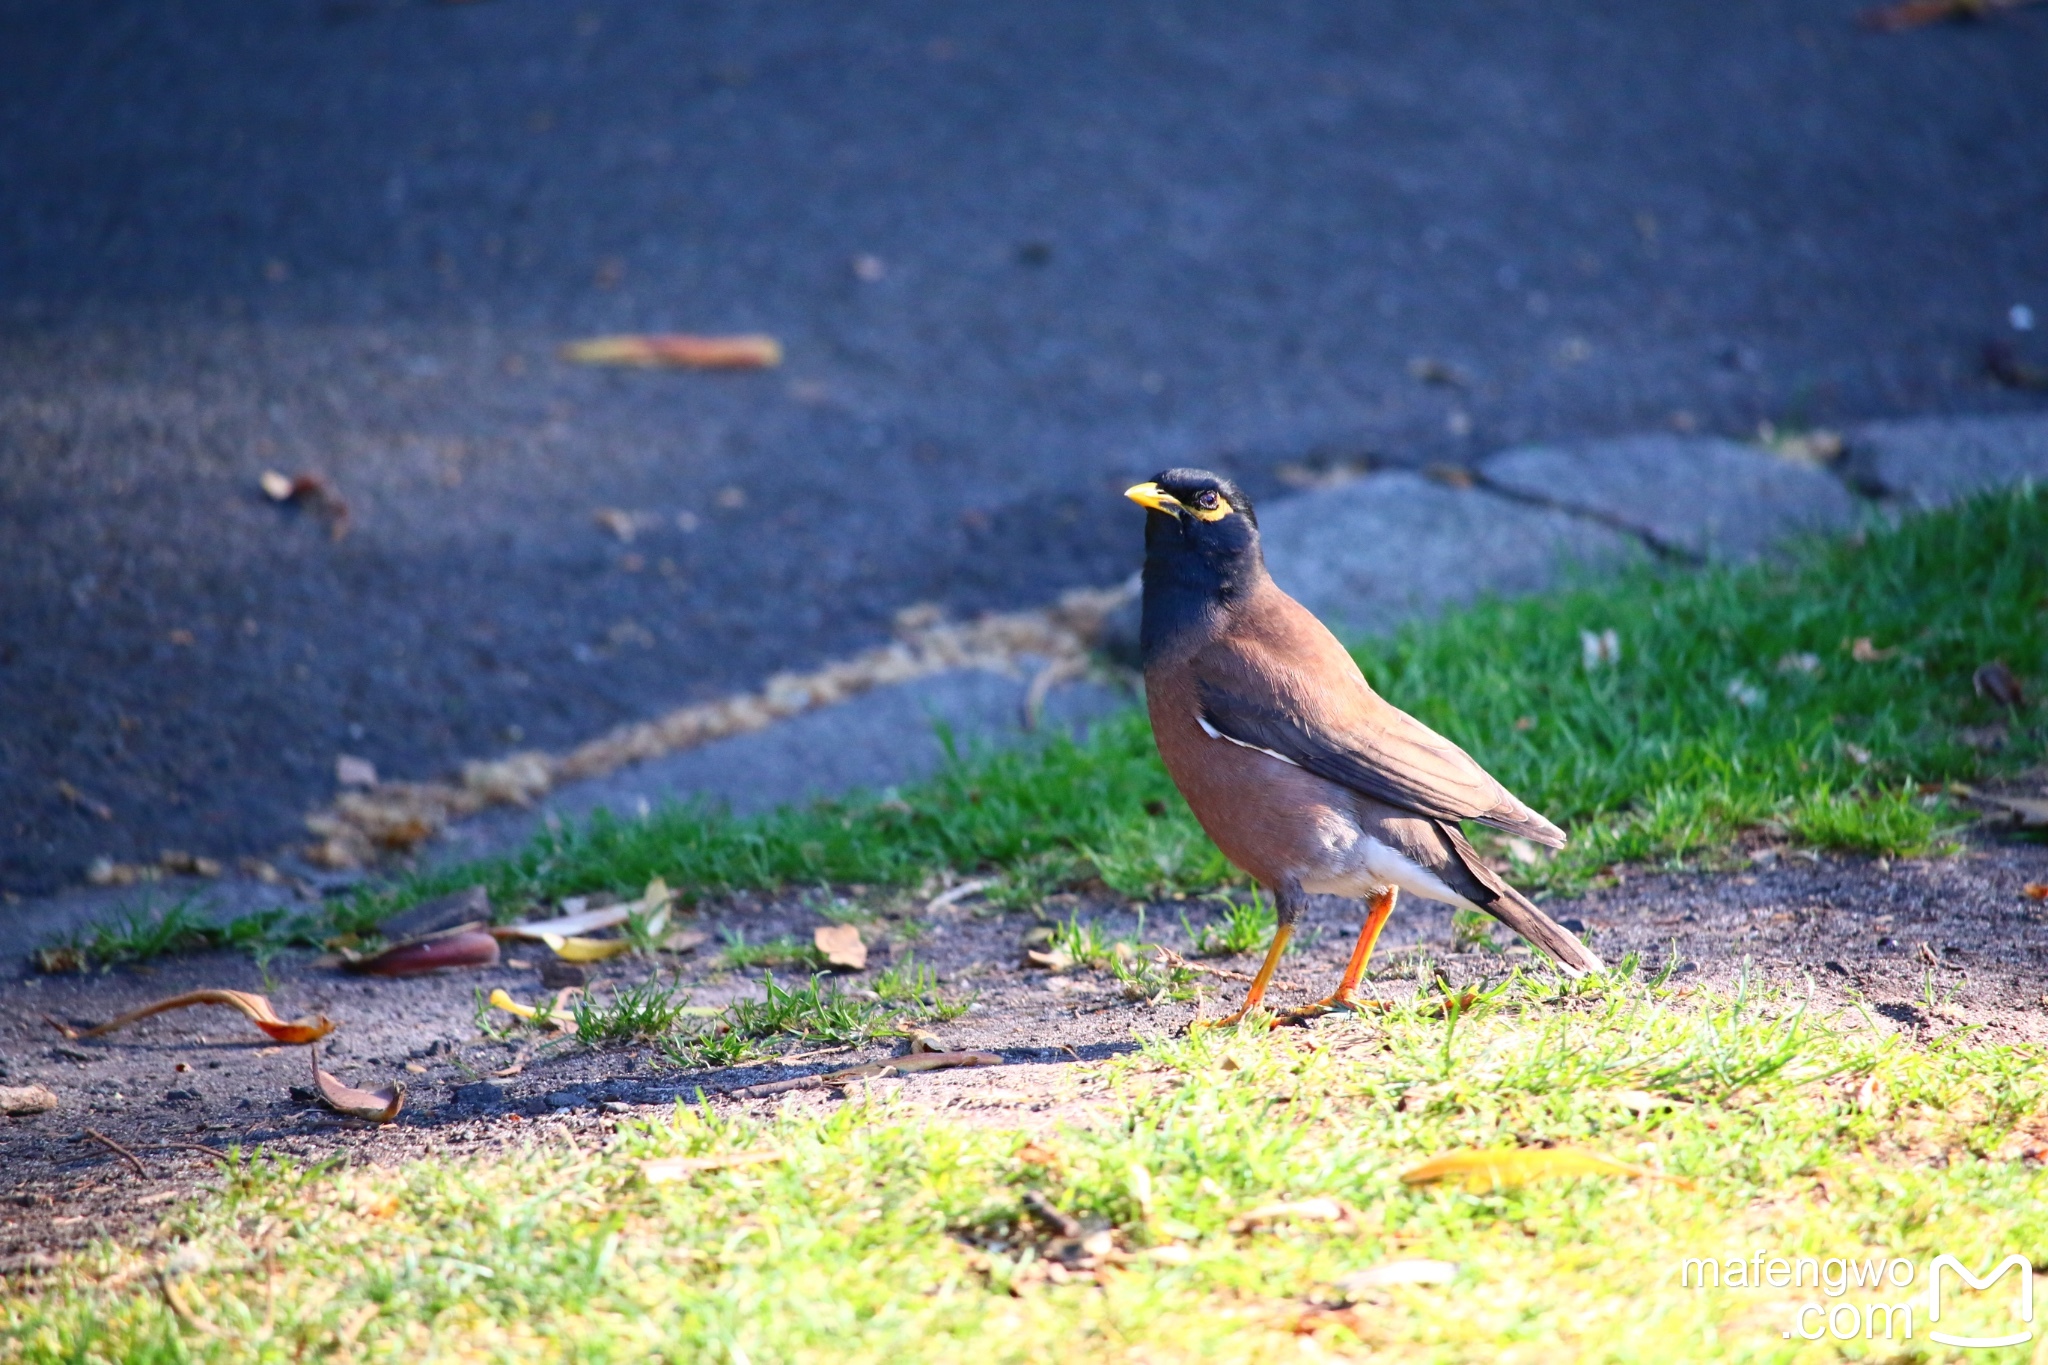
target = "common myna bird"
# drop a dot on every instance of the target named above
(1303, 775)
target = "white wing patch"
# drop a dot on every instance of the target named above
(1214, 733)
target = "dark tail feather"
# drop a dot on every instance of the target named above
(1519, 913)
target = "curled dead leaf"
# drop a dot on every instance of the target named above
(255, 1008)
(553, 1017)
(2035, 891)
(1864, 652)
(456, 948)
(586, 949)
(841, 945)
(378, 1106)
(751, 351)
(309, 488)
(1479, 1171)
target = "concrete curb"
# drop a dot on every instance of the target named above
(1366, 555)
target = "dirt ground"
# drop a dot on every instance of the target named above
(1957, 931)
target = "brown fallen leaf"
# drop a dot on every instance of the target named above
(313, 489)
(663, 1170)
(16, 1100)
(751, 351)
(940, 1061)
(2035, 891)
(255, 1008)
(1864, 652)
(685, 941)
(1996, 681)
(468, 947)
(841, 945)
(1479, 1171)
(378, 1106)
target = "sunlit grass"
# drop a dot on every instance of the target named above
(890, 1233)
(1740, 701)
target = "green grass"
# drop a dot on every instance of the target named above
(892, 1234)
(783, 951)
(1736, 704)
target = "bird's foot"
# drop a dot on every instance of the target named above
(1252, 1012)
(1341, 1002)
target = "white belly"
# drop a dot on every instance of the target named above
(1360, 865)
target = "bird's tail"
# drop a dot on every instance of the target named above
(1519, 913)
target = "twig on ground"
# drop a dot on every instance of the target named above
(133, 1160)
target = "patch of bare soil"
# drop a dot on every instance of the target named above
(1930, 945)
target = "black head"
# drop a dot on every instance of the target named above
(1201, 550)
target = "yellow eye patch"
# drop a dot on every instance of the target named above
(1221, 510)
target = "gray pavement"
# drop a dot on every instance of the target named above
(1019, 256)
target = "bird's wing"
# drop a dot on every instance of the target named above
(1338, 728)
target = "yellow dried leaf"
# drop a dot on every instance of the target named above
(751, 351)
(585, 949)
(1480, 1171)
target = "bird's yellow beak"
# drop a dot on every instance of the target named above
(1155, 498)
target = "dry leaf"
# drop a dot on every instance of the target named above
(940, 1061)
(1031, 1154)
(1864, 652)
(605, 917)
(743, 352)
(554, 1018)
(255, 1008)
(841, 945)
(685, 941)
(16, 1100)
(2035, 891)
(1321, 1209)
(1389, 1273)
(378, 1106)
(663, 1170)
(1479, 1171)
(586, 949)
(456, 948)
(1996, 681)
(311, 488)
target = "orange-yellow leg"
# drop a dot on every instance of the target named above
(1257, 993)
(1345, 997)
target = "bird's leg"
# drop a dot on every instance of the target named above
(1286, 907)
(1345, 997)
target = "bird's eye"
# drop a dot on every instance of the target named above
(1207, 500)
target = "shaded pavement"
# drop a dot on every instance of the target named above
(348, 236)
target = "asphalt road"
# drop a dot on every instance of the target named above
(346, 236)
